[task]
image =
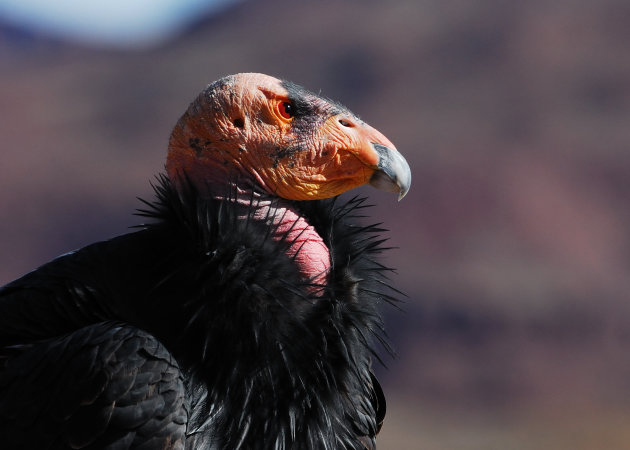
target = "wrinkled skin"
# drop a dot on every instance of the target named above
(239, 127)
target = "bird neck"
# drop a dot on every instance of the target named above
(304, 244)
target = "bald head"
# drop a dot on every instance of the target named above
(281, 138)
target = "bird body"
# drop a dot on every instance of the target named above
(233, 318)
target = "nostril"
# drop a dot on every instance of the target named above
(346, 123)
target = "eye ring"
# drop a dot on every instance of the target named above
(286, 110)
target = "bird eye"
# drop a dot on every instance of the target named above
(286, 110)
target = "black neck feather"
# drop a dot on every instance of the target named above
(260, 346)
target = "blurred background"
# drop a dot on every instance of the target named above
(513, 243)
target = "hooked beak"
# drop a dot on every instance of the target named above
(393, 173)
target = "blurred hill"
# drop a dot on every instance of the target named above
(514, 241)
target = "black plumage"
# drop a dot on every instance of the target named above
(197, 331)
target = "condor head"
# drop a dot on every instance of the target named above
(278, 136)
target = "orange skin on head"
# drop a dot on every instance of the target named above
(236, 129)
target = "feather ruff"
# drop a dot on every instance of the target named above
(268, 356)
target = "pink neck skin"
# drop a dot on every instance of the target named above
(306, 246)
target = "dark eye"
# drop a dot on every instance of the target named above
(286, 110)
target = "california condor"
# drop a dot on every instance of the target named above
(242, 315)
